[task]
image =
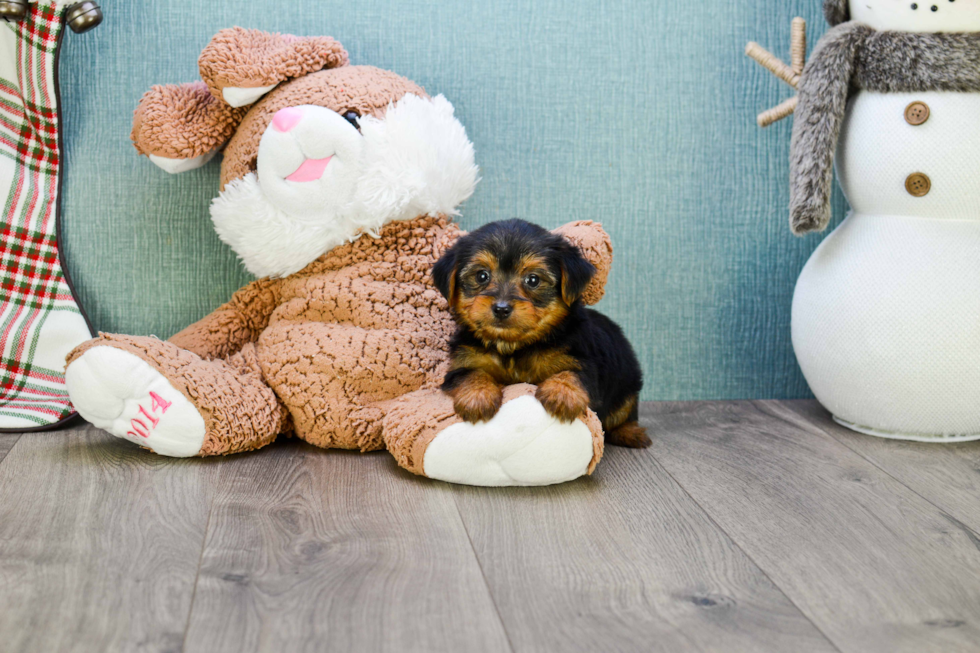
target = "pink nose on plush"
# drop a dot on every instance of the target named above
(286, 119)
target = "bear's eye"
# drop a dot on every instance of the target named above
(351, 117)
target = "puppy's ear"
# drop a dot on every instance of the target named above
(576, 272)
(444, 273)
(595, 245)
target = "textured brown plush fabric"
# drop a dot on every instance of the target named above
(364, 89)
(183, 121)
(240, 411)
(361, 325)
(234, 324)
(249, 58)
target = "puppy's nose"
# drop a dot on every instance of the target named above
(502, 310)
(286, 119)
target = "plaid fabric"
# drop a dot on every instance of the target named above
(39, 318)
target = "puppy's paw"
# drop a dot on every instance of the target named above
(476, 408)
(563, 396)
(630, 435)
(477, 398)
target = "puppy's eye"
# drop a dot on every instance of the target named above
(351, 117)
(482, 277)
(532, 281)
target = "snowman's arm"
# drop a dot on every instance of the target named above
(823, 92)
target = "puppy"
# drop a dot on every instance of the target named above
(514, 288)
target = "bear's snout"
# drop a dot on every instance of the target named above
(285, 119)
(309, 161)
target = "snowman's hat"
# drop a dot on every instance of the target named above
(836, 11)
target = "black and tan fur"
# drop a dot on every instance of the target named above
(514, 288)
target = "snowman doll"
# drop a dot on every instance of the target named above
(886, 313)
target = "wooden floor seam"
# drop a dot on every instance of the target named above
(483, 575)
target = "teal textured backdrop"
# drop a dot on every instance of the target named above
(639, 114)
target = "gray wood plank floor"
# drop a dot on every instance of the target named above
(748, 526)
(7, 442)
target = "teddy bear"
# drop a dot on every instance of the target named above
(337, 191)
(885, 313)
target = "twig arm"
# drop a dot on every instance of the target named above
(772, 63)
(798, 45)
(790, 74)
(784, 110)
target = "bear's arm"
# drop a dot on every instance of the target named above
(233, 325)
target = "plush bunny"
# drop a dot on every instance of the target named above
(885, 315)
(338, 183)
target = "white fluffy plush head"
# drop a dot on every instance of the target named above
(323, 180)
(908, 15)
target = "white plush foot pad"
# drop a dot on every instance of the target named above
(123, 394)
(521, 445)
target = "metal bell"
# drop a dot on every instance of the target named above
(13, 9)
(83, 16)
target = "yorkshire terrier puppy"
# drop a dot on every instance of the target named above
(514, 289)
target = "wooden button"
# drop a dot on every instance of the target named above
(916, 113)
(918, 184)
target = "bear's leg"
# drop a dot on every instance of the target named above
(521, 445)
(170, 400)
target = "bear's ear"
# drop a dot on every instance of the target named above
(836, 11)
(595, 246)
(181, 127)
(241, 65)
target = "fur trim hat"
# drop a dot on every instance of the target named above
(836, 11)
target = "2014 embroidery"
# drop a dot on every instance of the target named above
(140, 429)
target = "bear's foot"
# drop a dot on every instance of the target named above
(123, 394)
(172, 401)
(522, 445)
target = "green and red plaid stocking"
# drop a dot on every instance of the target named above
(40, 321)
